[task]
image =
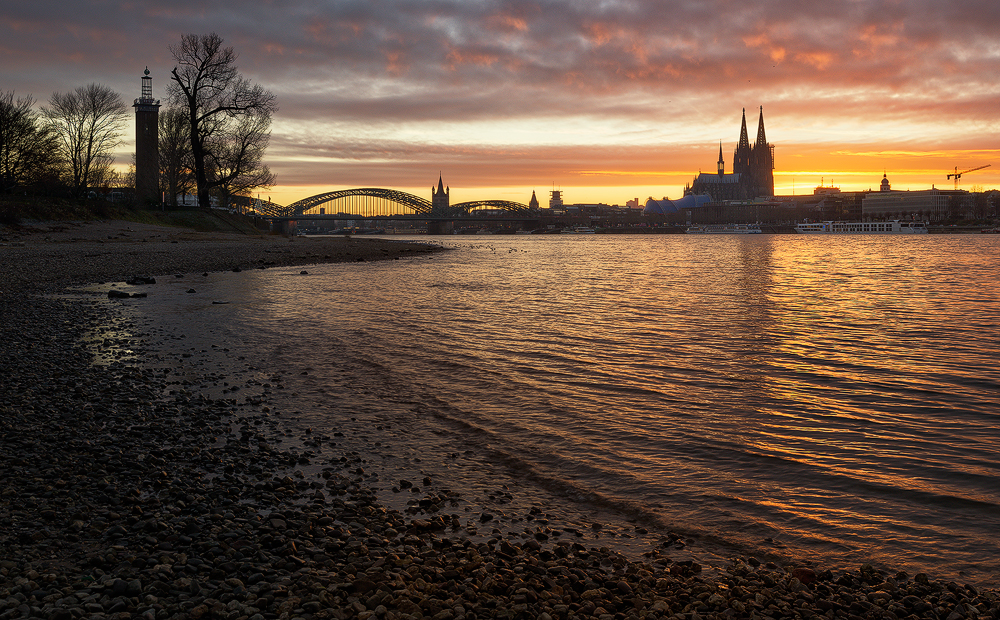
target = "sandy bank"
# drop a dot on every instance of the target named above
(61, 253)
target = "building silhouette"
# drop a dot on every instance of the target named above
(147, 149)
(928, 204)
(753, 169)
(555, 199)
(440, 197)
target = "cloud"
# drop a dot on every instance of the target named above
(600, 75)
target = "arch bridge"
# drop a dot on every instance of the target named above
(371, 202)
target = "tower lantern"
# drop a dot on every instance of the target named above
(147, 157)
(147, 88)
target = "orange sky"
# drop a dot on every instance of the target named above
(607, 101)
(663, 172)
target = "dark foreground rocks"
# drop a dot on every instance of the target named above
(126, 496)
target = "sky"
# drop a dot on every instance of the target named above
(605, 100)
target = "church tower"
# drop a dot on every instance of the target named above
(147, 149)
(440, 197)
(533, 203)
(722, 162)
(742, 156)
(762, 156)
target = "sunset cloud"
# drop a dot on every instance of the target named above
(517, 93)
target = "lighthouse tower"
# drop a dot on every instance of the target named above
(147, 164)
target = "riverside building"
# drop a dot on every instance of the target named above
(929, 204)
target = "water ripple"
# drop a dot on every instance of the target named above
(836, 396)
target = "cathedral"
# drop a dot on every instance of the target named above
(753, 170)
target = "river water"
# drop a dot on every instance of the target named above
(829, 398)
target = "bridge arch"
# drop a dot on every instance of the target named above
(359, 200)
(415, 204)
(479, 205)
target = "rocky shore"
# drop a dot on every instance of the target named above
(125, 493)
(51, 254)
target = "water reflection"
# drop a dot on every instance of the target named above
(837, 397)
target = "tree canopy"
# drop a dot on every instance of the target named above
(27, 146)
(229, 117)
(89, 124)
(176, 165)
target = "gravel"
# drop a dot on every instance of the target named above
(124, 495)
(46, 255)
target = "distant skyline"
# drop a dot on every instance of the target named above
(607, 100)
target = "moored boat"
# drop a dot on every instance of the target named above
(892, 227)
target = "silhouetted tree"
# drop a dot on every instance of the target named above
(27, 146)
(218, 102)
(176, 161)
(89, 124)
(239, 159)
(980, 203)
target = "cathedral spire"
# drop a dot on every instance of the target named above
(761, 140)
(722, 162)
(744, 140)
(741, 158)
(763, 162)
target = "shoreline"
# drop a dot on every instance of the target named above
(128, 494)
(66, 253)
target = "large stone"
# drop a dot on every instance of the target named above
(134, 588)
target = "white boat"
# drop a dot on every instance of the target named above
(579, 230)
(724, 229)
(893, 227)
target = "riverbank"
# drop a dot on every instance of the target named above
(43, 255)
(130, 493)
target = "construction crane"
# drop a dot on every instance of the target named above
(958, 175)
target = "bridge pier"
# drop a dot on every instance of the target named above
(440, 228)
(285, 227)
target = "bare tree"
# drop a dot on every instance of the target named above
(238, 159)
(176, 162)
(89, 124)
(27, 147)
(217, 99)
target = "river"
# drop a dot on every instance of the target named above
(829, 398)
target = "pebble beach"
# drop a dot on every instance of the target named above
(125, 494)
